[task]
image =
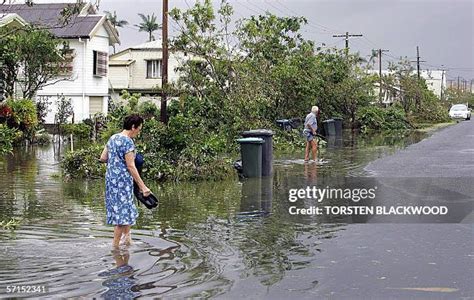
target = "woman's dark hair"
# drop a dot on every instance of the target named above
(132, 120)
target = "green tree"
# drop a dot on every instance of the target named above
(113, 19)
(456, 96)
(148, 24)
(262, 70)
(33, 59)
(63, 113)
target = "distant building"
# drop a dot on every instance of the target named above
(138, 69)
(435, 81)
(89, 35)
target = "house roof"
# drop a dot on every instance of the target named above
(153, 45)
(124, 62)
(149, 45)
(50, 16)
(11, 18)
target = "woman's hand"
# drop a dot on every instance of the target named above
(146, 192)
(104, 155)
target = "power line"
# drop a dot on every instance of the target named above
(321, 29)
(347, 36)
(248, 8)
(327, 29)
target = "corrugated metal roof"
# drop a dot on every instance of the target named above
(49, 16)
(120, 62)
(149, 45)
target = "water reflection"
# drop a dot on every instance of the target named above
(334, 142)
(257, 196)
(207, 239)
(119, 280)
(311, 172)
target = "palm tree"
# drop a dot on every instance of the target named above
(149, 25)
(113, 19)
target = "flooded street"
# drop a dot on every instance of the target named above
(230, 239)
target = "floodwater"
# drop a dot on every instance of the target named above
(230, 239)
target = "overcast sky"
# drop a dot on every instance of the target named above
(443, 29)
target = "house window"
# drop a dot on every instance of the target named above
(95, 105)
(153, 68)
(100, 63)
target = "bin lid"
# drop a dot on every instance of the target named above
(328, 121)
(337, 118)
(251, 140)
(257, 132)
(282, 121)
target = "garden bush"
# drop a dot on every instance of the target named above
(43, 139)
(84, 163)
(7, 137)
(81, 130)
(431, 110)
(23, 116)
(376, 118)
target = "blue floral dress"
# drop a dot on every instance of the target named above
(121, 209)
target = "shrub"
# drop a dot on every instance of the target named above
(81, 130)
(23, 116)
(375, 118)
(43, 139)
(148, 110)
(431, 110)
(7, 137)
(5, 112)
(84, 163)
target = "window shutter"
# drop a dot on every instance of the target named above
(102, 63)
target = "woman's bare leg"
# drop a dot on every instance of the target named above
(127, 235)
(118, 231)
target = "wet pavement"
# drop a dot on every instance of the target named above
(449, 152)
(231, 239)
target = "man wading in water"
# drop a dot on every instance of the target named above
(310, 127)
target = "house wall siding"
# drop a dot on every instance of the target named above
(119, 77)
(82, 83)
(136, 76)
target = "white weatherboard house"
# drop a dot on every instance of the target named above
(89, 35)
(435, 81)
(138, 69)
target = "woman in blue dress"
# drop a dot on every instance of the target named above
(119, 154)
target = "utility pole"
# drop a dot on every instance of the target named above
(418, 61)
(450, 83)
(164, 63)
(380, 74)
(442, 83)
(459, 86)
(347, 35)
(417, 98)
